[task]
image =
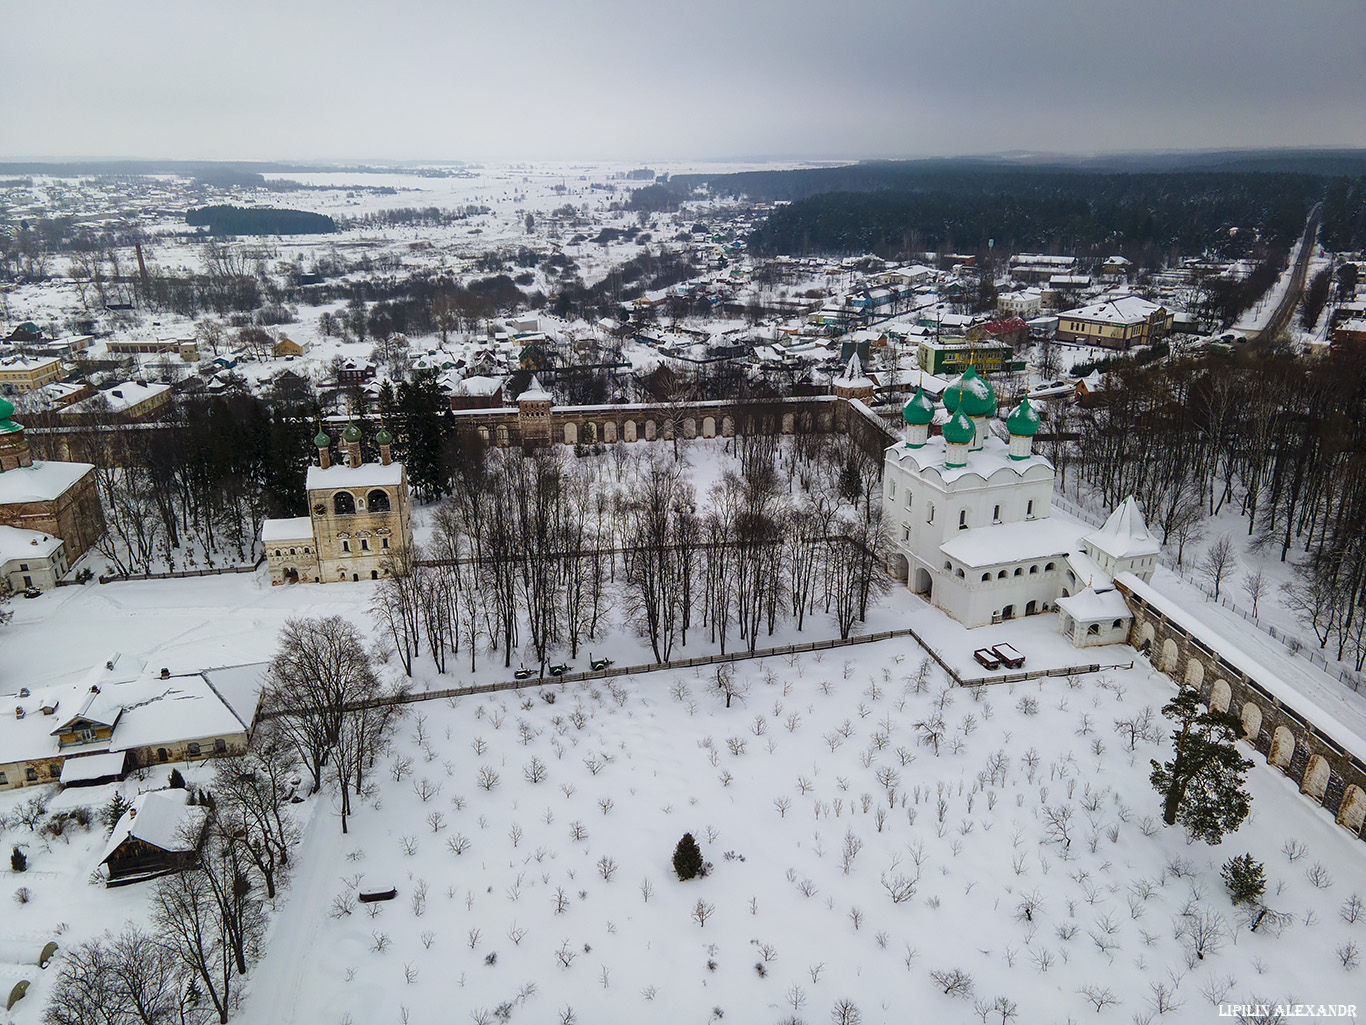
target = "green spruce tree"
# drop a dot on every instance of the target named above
(687, 858)
(1202, 784)
(1245, 879)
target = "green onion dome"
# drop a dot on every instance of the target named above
(919, 411)
(1024, 421)
(959, 430)
(7, 426)
(970, 393)
(384, 437)
(351, 434)
(322, 439)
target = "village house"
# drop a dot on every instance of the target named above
(131, 400)
(160, 832)
(122, 716)
(19, 374)
(1115, 322)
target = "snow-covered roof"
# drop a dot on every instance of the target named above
(159, 818)
(534, 392)
(122, 396)
(1090, 606)
(17, 544)
(478, 385)
(41, 482)
(145, 710)
(1124, 535)
(1001, 543)
(1290, 681)
(367, 475)
(294, 528)
(96, 766)
(1120, 309)
(240, 688)
(853, 376)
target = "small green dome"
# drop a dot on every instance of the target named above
(384, 437)
(6, 409)
(322, 439)
(959, 430)
(970, 393)
(351, 434)
(919, 411)
(1024, 421)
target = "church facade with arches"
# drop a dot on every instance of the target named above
(970, 522)
(359, 522)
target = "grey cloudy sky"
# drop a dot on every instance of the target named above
(611, 79)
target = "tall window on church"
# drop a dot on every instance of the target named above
(1029, 509)
(891, 489)
(378, 500)
(343, 502)
(346, 546)
(996, 514)
(364, 544)
(962, 519)
(929, 515)
(905, 532)
(908, 498)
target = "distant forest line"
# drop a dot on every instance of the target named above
(236, 220)
(890, 208)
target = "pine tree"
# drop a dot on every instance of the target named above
(113, 811)
(177, 781)
(1202, 786)
(18, 862)
(1245, 879)
(687, 858)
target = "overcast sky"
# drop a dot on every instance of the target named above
(662, 80)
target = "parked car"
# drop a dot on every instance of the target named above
(1008, 655)
(987, 658)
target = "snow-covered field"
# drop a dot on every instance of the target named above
(502, 892)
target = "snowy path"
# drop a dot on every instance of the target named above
(277, 980)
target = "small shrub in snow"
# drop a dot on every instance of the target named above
(22, 895)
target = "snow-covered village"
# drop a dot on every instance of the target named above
(481, 583)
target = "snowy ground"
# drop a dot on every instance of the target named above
(774, 789)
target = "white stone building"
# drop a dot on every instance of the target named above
(971, 526)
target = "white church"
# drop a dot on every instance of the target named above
(971, 526)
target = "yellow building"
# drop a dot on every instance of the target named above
(25, 373)
(1116, 322)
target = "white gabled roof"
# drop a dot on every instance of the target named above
(1088, 606)
(160, 818)
(293, 528)
(1124, 535)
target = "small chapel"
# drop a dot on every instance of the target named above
(970, 521)
(359, 517)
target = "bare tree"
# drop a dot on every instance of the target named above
(1218, 561)
(1254, 586)
(249, 794)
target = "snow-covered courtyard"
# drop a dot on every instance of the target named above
(859, 851)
